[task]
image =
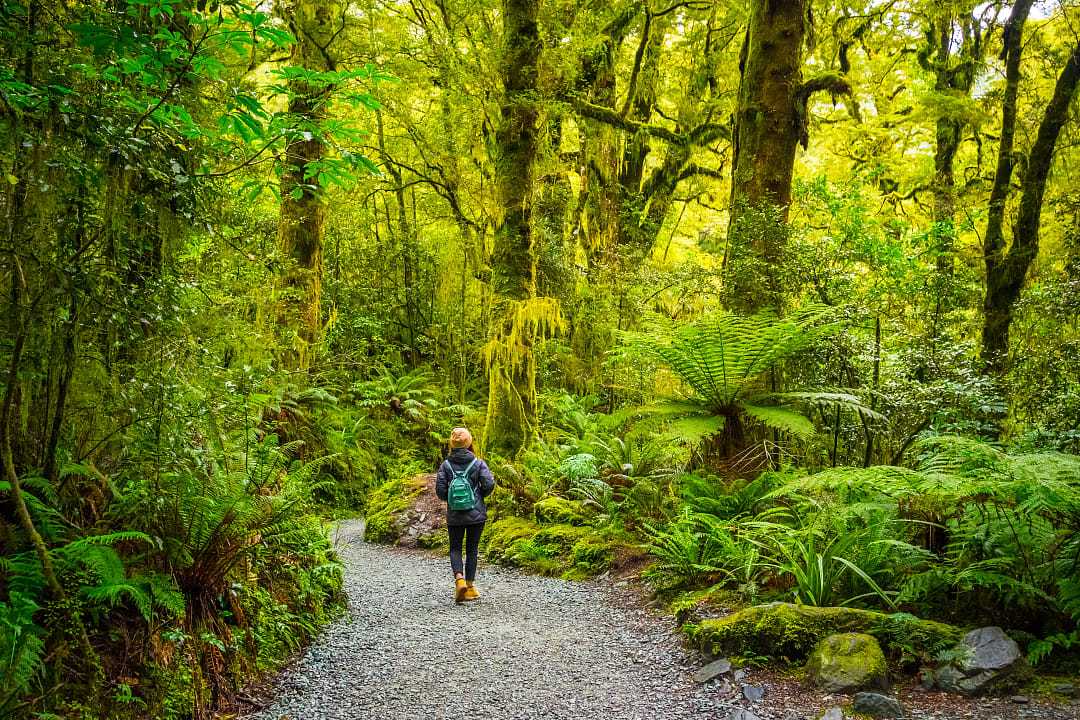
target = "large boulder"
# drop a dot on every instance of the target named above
(784, 630)
(987, 661)
(847, 663)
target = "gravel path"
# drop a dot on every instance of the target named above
(532, 647)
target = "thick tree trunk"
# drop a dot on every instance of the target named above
(303, 213)
(1007, 270)
(769, 125)
(509, 355)
(514, 272)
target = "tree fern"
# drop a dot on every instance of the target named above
(725, 361)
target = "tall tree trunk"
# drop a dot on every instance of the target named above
(510, 353)
(514, 274)
(406, 233)
(303, 212)
(768, 128)
(955, 53)
(770, 124)
(1006, 269)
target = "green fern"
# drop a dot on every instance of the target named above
(726, 361)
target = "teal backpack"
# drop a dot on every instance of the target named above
(460, 495)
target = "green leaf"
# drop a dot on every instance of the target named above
(782, 419)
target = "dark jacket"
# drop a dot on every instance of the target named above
(482, 480)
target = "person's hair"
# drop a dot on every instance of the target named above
(460, 438)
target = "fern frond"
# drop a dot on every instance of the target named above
(782, 419)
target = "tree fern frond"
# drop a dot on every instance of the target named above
(844, 400)
(783, 419)
(693, 430)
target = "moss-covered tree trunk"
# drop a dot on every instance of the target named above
(303, 212)
(955, 48)
(510, 351)
(770, 124)
(513, 273)
(1007, 266)
(768, 128)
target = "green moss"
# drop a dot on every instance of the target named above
(501, 536)
(783, 630)
(848, 662)
(570, 551)
(385, 504)
(695, 604)
(561, 537)
(560, 511)
(593, 554)
(437, 540)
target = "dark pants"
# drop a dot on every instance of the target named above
(470, 535)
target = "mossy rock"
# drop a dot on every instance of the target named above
(570, 551)
(787, 631)
(847, 663)
(556, 510)
(692, 606)
(437, 540)
(387, 502)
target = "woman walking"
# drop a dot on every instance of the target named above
(463, 482)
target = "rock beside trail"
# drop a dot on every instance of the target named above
(848, 662)
(713, 670)
(988, 661)
(877, 705)
(833, 713)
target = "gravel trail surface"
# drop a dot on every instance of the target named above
(532, 647)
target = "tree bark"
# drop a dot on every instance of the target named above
(514, 272)
(955, 48)
(1006, 269)
(770, 124)
(767, 134)
(303, 212)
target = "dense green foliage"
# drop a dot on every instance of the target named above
(811, 341)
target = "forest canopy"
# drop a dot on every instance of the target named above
(700, 276)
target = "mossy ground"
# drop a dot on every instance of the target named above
(385, 503)
(569, 551)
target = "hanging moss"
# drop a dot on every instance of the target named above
(510, 360)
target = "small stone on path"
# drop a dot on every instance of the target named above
(833, 713)
(877, 705)
(742, 714)
(712, 670)
(753, 693)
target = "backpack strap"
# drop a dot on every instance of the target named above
(467, 470)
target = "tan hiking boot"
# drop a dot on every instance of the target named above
(470, 591)
(460, 590)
